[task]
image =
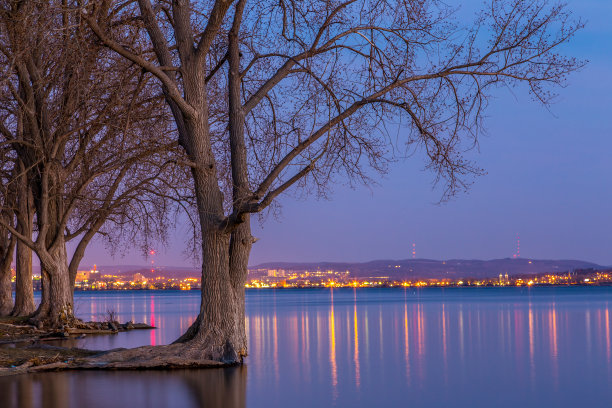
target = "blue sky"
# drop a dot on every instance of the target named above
(549, 179)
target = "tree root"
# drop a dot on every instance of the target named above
(173, 356)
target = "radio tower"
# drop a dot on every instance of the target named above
(518, 247)
(152, 253)
(413, 250)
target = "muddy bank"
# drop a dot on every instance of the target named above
(23, 349)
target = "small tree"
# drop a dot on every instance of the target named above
(271, 95)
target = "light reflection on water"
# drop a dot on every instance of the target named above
(359, 347)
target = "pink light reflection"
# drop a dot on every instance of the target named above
(152, 320)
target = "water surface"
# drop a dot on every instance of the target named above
(460, 347)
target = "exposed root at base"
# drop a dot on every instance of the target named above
(173, 356)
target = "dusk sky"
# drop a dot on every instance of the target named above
(549, 179)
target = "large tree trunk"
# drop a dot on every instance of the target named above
(56, 308)
(240, 250)
(24, 291)
(218, 331)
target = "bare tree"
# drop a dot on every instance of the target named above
(271, 95)
(80, 119)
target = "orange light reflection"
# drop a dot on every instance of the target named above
(406, 339)
(356, 331)
(332, 347)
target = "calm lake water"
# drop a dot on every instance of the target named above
(459, 347)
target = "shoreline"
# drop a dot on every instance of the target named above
(348, 286)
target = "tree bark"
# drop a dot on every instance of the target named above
(6, 291)
(43, 306)
(56, 308)
(7, 247)
(6, 299)
(24, 291)
(216, 333)
(240, 250)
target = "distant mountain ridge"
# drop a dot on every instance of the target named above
(434, 269)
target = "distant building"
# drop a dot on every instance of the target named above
(84, 276)
(139, 278)
(276, 273)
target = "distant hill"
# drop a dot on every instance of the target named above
(428, 268)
